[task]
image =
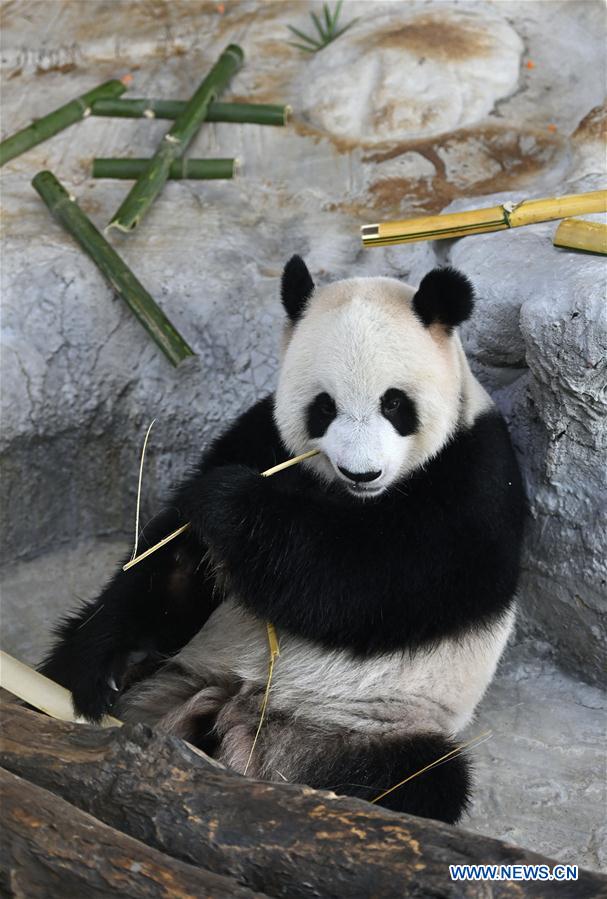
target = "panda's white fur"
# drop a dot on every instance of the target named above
(433, 689)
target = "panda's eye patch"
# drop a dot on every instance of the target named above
(400, 411)
(320, 413)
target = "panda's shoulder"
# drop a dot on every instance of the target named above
(252, 439)
(485, 445)
(478, 468)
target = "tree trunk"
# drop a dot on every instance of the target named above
(278, 839)
(49, 848)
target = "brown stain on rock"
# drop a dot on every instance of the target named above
(437, 36)
(304, 128)
(519, 155)
(64, 69)
(593, 126)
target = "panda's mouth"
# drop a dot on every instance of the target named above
(364, 490)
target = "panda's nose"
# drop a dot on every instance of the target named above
(361, 476)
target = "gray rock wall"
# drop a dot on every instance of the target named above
(418, 106)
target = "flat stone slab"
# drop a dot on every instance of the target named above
(538, 778)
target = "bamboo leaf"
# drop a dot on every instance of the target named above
(323, 35)
(337, 12)
(304, 37)
(301, 47)
(344, 29)
(327, 34)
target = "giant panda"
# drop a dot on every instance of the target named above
(388, 563)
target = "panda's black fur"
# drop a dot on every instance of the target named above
(441, 549)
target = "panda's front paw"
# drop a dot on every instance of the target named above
(226, 497)
(94, 680)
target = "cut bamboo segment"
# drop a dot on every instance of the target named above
(67, 212)
(576, 234)
(175, 142)
(529, 212)
(41, 692)
(197, 169)
(243, 113)
(56, 121)
(184, 527)
(481, 221)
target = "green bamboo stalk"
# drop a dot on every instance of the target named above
(67, 212)
(56, 121)
(175, 142)
(255, 113)
(130, 169)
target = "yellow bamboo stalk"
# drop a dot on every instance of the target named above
(274, 653)
(41, 692)
(184, 527)
(576, 234)
(481, 221)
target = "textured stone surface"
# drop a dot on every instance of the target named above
(80, 378)
(539, 340)
(540, 776)
(537, 778)
(431, 72)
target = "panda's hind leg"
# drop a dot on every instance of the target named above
(180, 702)
(361, 765)
(366, 767)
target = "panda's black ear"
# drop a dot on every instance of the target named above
(296, 287)
(444, 297)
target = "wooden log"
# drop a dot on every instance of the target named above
(51, 850)
(279, 839)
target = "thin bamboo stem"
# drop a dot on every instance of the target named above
(56, 121)
(480, 221)
(474, 742)
(131, 169)
(67, 212)
(184, 527)
(274, 654)
(41, 692)
(139, 485)
(577, 234)
(175, 142)
(243, 113)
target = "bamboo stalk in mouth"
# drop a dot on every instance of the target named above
(184, 527)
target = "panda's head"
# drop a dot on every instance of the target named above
(371, 373)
